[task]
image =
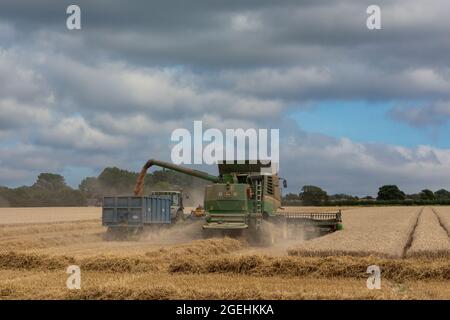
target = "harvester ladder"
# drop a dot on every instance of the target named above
(258, 188)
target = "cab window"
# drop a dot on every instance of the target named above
(175, 199)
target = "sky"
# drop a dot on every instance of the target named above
(356, 108)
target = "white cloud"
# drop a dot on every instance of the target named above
(76, 133)
(430, 80)
(279, 82)
(20, 81)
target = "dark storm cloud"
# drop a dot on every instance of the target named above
(241, 34)
(248, 35)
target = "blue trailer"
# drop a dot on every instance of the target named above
(125, 215)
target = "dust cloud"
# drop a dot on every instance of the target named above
(178, 233)
(281, 237)
(194, 197)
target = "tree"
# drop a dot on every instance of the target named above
(442, 194)
(49, 190)
(291, 196)
(414, 196)
(50, 181)
(5, 194)
(117, 181)
(342, 197)
(427, 194)
(90, 187)
(390, 192)
(312, 195)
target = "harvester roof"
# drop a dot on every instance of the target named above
(247, 166)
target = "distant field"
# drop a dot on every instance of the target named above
(50, 214)
(408, 243)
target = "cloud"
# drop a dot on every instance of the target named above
(342, 165)
(434, 114)
(245, 23)
(432, 80)
(14, 115)
(112, 93)
(19, 81)
(75, 133)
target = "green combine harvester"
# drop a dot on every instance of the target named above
(242, 200)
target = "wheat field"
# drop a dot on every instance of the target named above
(443, 215)
(406, 242)
(430, 238)
(48, 214)
(367, 231)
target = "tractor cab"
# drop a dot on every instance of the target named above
(177, 206)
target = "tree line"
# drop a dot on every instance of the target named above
(51, 189)
(387, 195)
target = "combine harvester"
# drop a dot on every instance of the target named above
(240, 201)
